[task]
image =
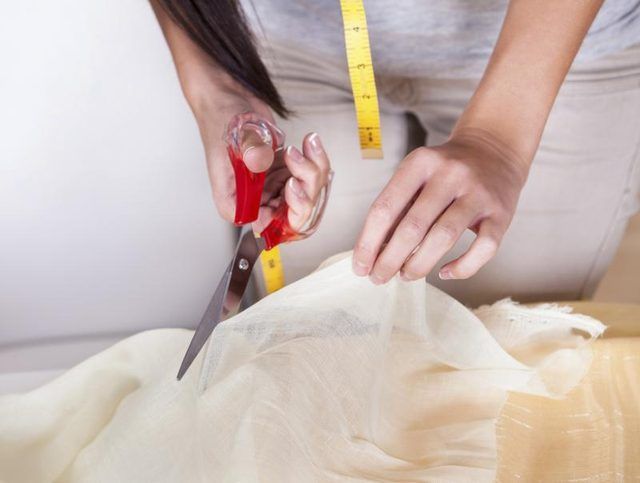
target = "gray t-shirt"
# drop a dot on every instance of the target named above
(431, 38)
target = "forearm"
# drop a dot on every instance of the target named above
(537, 44)
(205, 84)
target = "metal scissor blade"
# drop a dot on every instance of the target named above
(227, 297)
(247, 252)
(211, 318)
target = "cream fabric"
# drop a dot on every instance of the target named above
(330, 379)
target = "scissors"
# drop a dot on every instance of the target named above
(249, 186)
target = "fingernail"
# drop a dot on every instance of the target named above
(295, 154)
(314, 139)
(445, 274)
(296, 187)
(360, 268)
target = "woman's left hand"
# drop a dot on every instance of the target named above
(471, 181)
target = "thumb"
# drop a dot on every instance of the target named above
(257, 155)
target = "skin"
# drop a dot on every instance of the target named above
(297, 176)
(472, 181)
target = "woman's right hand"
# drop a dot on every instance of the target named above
(296, 177)
(215, 97)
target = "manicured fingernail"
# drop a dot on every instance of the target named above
(445, 274)
(360, 268)
(314, 139)
(295, 154)
(296, 187)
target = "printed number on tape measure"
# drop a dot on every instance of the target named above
(362, 77)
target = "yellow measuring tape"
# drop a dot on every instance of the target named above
(365, 97)
(272, 271)
(363, 84)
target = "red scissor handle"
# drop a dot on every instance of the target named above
(249, 185)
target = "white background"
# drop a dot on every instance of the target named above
(107, 225)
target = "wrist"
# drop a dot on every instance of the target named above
(512, 128)
(494, 147)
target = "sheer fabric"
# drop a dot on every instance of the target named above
(330, 379)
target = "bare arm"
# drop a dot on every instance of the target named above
(214, 97)
(475, 178)
(532, 56)
(203, 83)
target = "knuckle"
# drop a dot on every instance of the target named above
(363, 249)
(417, 156)
(421, 152)
(382, 208)
(426, 152)
(324, 169)
(412, 227)
(324, 176)
(446, 231)
(461, 175)
(315, 175)
(462, 169)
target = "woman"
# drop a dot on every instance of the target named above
(480, 78)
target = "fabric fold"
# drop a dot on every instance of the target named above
(329, 379)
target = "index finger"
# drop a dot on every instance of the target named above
(222, 180)
(383, 215)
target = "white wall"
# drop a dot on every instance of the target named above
(107, 224)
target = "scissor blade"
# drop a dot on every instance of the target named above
(227, 297)
(247, 252)
(211, 318)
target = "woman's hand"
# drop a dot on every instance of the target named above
(215, 97)
(471, 181)
(297, 177)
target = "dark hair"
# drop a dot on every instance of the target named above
(220, 29)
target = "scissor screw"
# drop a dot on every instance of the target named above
(243, 264)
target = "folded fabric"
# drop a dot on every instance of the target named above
(329, 379)
(591, 435)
